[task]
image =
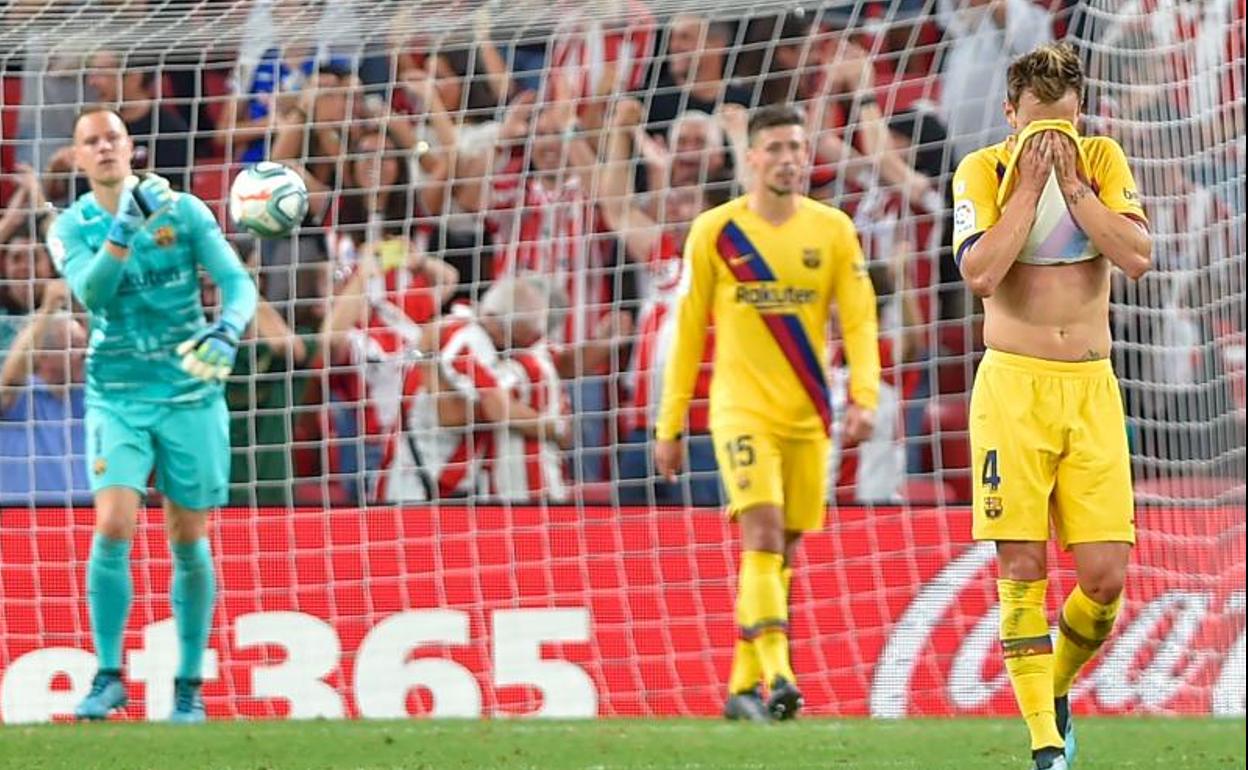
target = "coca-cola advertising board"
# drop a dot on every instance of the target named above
(583, 612)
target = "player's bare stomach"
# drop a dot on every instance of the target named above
(1055, 312)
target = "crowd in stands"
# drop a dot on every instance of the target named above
(477, 304)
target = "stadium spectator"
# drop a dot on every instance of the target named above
(25, 267)
(652, 234)
(827, 72)
(376, 209)
(42, 440)
(694, 73)
(378, 327)
(596, 54)
(441, 136)
(542, 216)
(526, 468)
(984, 36)
(312, 137)
(314, 130)
(545, 224)
(447, 421)
(26, 271)
(851, 127)
(161, 135)
(472, 78)
(375, 199)
(268, 78)
(693, 152)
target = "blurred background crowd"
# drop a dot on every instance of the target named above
(477, 304)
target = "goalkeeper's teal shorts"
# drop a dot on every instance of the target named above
(188, 445)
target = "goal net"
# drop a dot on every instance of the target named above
(499, 193)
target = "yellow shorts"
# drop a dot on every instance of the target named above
(1049, 438)
(760, 468)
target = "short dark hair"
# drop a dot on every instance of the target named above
(92, 109)
(775, 115)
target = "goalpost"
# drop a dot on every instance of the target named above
(445, 147)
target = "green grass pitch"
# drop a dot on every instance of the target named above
(679, 744)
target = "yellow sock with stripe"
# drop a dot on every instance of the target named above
(763, 613)
(746, 669)
(1083, 627)
(1028, 653)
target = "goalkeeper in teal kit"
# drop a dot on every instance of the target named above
(131, 250)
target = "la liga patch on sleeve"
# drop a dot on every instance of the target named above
(963, 218)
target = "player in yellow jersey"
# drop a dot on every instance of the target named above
(1040, 221)
(767, 266)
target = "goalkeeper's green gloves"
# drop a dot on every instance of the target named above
(141, 199)
(209, 355)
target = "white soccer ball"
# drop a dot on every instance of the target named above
(268, 199)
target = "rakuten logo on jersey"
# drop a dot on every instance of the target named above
(1177, 647)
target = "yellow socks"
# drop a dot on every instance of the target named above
(1082, 628)
(763, 615)
(746, 668)
(746, 671)
(1028, 653)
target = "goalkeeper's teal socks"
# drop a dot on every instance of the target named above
(109, 591)
(192, 595)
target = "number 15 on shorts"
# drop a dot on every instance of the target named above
(740, 452)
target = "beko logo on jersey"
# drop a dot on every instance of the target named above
(764, 296)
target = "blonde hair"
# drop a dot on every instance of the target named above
(1048, 72)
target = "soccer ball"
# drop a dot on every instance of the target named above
(268, 199)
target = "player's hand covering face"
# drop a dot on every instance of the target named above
(1036, 162)
(102, 148)
(778, 158)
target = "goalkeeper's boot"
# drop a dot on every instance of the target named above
(785, 701)
(188, 703)
(107, 693)
(747, 706)
(1066, 727)
(1049, 758)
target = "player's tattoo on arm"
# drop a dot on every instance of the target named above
(1078, 194)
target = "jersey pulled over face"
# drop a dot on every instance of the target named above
(980, 192)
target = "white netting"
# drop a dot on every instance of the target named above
(448, 144)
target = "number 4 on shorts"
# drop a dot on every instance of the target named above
(989, 476)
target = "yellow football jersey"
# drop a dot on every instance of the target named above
(1055, 237)
(768, 289)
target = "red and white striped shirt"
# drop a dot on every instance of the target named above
(585, 47)
(550, 232)
(438, 461)
(387, 375)
(400, 300)
(522, 468)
